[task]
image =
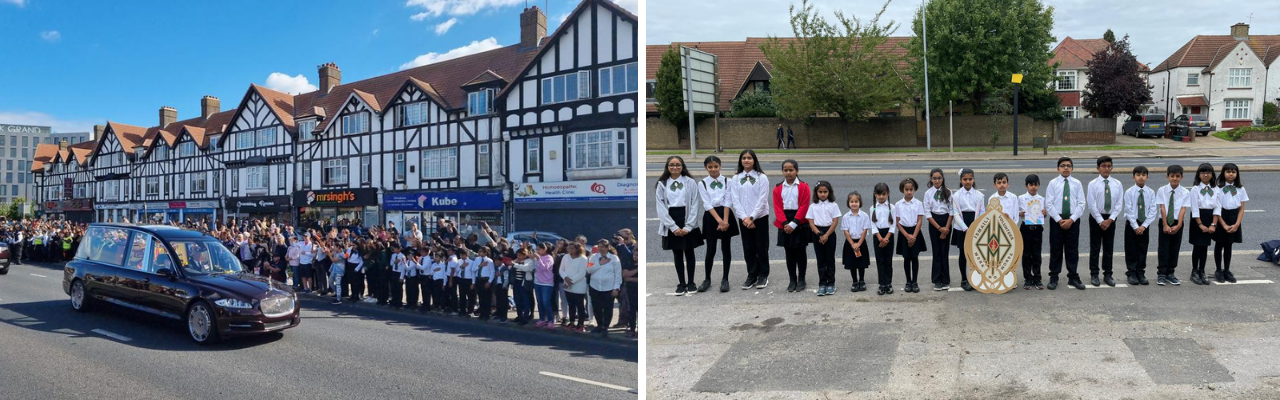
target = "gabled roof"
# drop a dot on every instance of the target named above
(555, 36)
(82, 150)
(485, 77)
(44, 153)
(368, 100)
(280, 102)
(128, 135)
(1074, 53)
(1207, 51)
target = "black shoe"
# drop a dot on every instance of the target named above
(1053, 283)
(762, 282)
(800, 286)
(1217, 276)
(1195, 278)
(1173, 280)
(691, 288)
(1229, 276)
(938, 287)
(888, 289)
(749, 283)
(706, 283)
(1204, 279)
(1160, 280)
(1142, 280)
(1108, 281)
(854, 288)
(965, 285)
(724, 286)
(1093, 280)
(1076, 283)
(882, 290)
(680, 290)
(791, 287)
(1133, 281)
(862, 286)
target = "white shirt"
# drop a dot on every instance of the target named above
(675, 190)
(1098, 198)
(823, 213)
(1204, 197)
(1010, 205)
(308, 255)
(1054, 195)
(714, 192)
(749, 194)
(472, 267)
(855, 225)
(966, 200)
(791, 195)
(455, 266)
(605, 271)
(934, 205)
(440, 270)
(1232, 201)
(1180, 200)
(1025, 199)
(485, 265)
(1149, 204)
(397, 264)
(907, 212)
(883, 214)
(410, 267)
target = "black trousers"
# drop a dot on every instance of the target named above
(884, 258)
(395, 289)
(826, 255)
(411, 291)
(373, 280)
(17, 253)
(1168, 247)
(486, 297)
(1063, 243)
(1101, 244)
(940, 273)
(465, 300)
(755, 248)
(711, 255)
(1135, 251)
(500, 295)
(439, 299)
(602, 307)
(577, 308)
(633, 298)
(1032, 242)
(424, 285)
(320, 276)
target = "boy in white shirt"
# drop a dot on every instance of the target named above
(1106, 205)
(1032, 229)
(1065, 202)
(1172, 200)
(1140, 200)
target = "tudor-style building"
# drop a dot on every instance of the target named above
(257, 153)
(63, 183)
(110, 163)
(571, 122)
(174, 176)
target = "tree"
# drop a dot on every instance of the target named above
(846, 67)
(1115, 85)
(1110, 36)
(753, 104)
(975, 46)
(14, 211)
(670, 93)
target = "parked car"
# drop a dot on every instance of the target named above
(178, 274)
(528, 236)
(1144, 125)
(1190, 123)
(5, 258)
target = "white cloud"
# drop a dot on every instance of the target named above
(18, 3)
(472, 48)
(433, 8)
(51, 36)
(563, 17)
(630, 5)
(374, 33)
(42, 119)
(419, 16)
(289, 84)
(443, 27)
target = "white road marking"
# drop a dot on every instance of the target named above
(587, 381)
(1249, 211)
(68, 331)
(42, 276)
(1245, 282)
(648, 294)
(115, 336)
(650, 219)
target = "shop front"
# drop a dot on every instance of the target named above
(340, 207)
(115, 212)
(75, 210)
(593, 208)
(278, 208)
(426, 209)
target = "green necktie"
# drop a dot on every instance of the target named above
(1106, 204)
(1168, 217)
(1066, 199)
(1142, 206)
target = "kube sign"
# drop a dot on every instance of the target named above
(993, 246)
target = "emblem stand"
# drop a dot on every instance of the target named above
(993, 246)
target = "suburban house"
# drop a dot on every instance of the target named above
(1072, 56)
(1224, 77)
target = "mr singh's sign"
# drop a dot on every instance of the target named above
(594, 190)
(27, 129)
(336, 198)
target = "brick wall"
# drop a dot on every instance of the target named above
(1260, 137)
(761, 133)
(1088, 137)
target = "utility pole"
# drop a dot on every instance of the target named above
(928, 130)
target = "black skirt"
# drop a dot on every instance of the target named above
(1198, 237)
(709, 224)
(690, 241)
(957, 237)
(1229, 217)
(799, 237)
(851, 260)
(903, 248)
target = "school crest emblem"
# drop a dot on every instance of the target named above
(993, 246)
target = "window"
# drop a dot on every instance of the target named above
(306, 176)
(413, 114)
(1239, 77)
(2, 141)
(281, 176)
(24, 152)
(235, 180)
(1193, 79)
(482, 160)
(9, 165)
(187, 149)
(266, 136)
(618, 79)
(1066, 80)
(568, 87)
(1071, 112)
(80, 191)
(258, 177)
(153, 186)
(305, 130)
(597, 149)
(200, 183)
(335, 172)
(161, 152)
(355, 123)
(104, 245)
(650, 87)
(22, 178)
(400, 167)
(480, 102)
(137, 252)
(244, 140)
(217, 183)
(25, 141)
(440, 163)
(8, 177)
(1237, 109)
(182, 185)
(366, 168)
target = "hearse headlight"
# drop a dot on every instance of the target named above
(233, 303)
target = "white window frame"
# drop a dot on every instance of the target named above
(1068, 80)
(1238, 109)
(182, 187)
(366, 169)
(483, 160)
(335, 172)
(533, 155)
(188, 149)
(244, 140)
(400, 161)
(265, 137)
(608, 79)
(480, 102)
(152, 186)
(561, 88)
(1240, 78)
(306, 130)
(258, 178)
(355, 123)
(80, 190)
(200, 183)
(413, 114)
(1071, 112)
(596, 149)
(306, 175)
(1193, 79)
(281, 177)
(161, 152)
(440, 163)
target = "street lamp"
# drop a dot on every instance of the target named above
(1017, 81)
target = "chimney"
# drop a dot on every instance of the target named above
(209, 105)
(533, 27)
(168, 115)
(97, 131)
(330, 77)
(62, 145)
(1240, 31)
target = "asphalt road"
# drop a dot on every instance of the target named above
(913, 162)
(48, 351)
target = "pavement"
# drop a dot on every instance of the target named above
(339, 351)
(1146, 342)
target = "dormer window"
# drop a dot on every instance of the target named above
(187, 149)
(355, 123)
(480, 102)
(306, 130)
(161, 152)
(413, 114)
(567, 87)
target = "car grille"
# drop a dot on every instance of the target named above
(277, 306)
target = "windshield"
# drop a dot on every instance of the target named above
(204, 257)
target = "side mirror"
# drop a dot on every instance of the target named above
(165, 272)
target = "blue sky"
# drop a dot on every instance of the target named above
(72, 64)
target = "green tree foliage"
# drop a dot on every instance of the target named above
(753, 104)
(1110, 36)
(1115, 85)
(975, 46)
(843, 67)
(670, 93)
(1270, 114)
(14, 210)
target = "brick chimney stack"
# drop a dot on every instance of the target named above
(62, 145)
(533, 27)
(1240, 31)
(330, 77)
(97, 131)
(209, 105)
(168, 115)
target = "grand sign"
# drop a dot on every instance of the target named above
(444, 201)
(336, 198)
(27, 129)
(597, 190)
(993, 246)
